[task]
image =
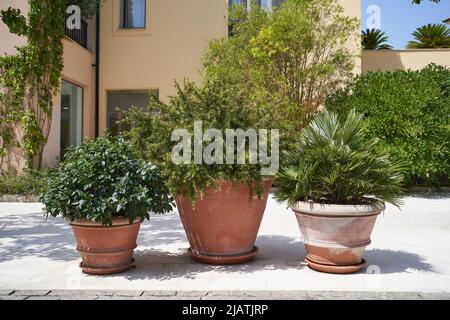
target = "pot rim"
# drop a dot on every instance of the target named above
(116, 222)
(264, 179)
(217, 183)
(338, 210)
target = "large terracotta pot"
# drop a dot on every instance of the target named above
(106, 249)
(336, 236)
(223, 226)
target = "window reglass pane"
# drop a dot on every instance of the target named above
(133, 14)
(71, 116)
(121, 101)
(266, 4)
(237, 2)
(276, 3)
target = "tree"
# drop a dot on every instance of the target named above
(431, 36)
(285, 62)
(374, 39)
(30, 79)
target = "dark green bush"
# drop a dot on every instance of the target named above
(409, 111)
(26, 183)
(103, 179)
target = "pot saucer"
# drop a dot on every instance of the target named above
(336, 269)
(224, 260)
(107, 270)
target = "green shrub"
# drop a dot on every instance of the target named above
(26, 183)
(103, 179)
(409, 111)
(282, 60)
(217, 107)
(335, 163)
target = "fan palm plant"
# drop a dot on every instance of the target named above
(333, 162)
(431, 36)
(374, 39)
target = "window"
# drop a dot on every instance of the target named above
(265, 4)
(276, 3)
(71, 116)
(120, 102)
(240, 2)
(132, 14)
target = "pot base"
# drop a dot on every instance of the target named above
(105, 270)
(336, 269)
(224, 260)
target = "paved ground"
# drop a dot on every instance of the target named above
(409, 258)
(214, 295)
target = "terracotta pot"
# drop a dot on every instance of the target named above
(106, 249)
(223, 226)
(336, 236)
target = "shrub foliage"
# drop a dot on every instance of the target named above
(334, 162)
(103, 179)
(409, 111)
(26, 183)
(218, 107)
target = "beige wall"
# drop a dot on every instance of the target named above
(389, 60)
(8, 40)
(352, 8)
(170, 48)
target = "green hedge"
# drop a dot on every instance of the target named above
(26, 183)
(409, 111)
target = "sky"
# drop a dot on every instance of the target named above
(399, 18)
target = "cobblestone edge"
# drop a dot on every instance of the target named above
(214, 295)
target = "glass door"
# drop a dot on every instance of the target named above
(71, 116)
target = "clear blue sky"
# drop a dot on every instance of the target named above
(399, 18)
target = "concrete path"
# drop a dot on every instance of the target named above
(409, 255)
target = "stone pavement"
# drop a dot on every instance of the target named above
(408, 258)
(214, 295)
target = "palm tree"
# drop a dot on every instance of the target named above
(431, 36)
(374, 39)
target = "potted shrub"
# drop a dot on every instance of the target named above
(337, 182)
(221, 205)
(105, 193)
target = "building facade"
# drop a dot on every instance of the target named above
(132, 49)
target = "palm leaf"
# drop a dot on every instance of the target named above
(333, 161)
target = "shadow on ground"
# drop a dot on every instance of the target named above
(390, 261)
(32, 235)
(274, 253)
(431, 195)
